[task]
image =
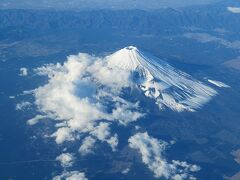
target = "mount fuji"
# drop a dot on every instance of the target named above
(169, 87)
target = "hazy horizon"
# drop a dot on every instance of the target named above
(99, 4)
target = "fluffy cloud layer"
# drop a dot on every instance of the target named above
(102, 132)
(23, 72)
(152, 151)
(87, 145)
(73, 175)
(23, 105)
(66, 159)
(73, 96)
(35, 120)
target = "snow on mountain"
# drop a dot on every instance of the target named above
(218, 83)
(158, 80)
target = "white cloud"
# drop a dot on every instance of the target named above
(35, 120)
(63, 134)
(49, 69)
(113, 142)
(23, 105)
(73, 175)
(23, 71)
(234, 9)
(105, 74)
(66, 159)
(102, 132)
(124, 114)
(152, 151)
(87, 146)
(189, 167)
(125, 171)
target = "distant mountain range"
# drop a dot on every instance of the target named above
(165, 20)
(167, 32)
(98, 4)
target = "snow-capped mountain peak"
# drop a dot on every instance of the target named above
(168, 86)
(128, 58)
